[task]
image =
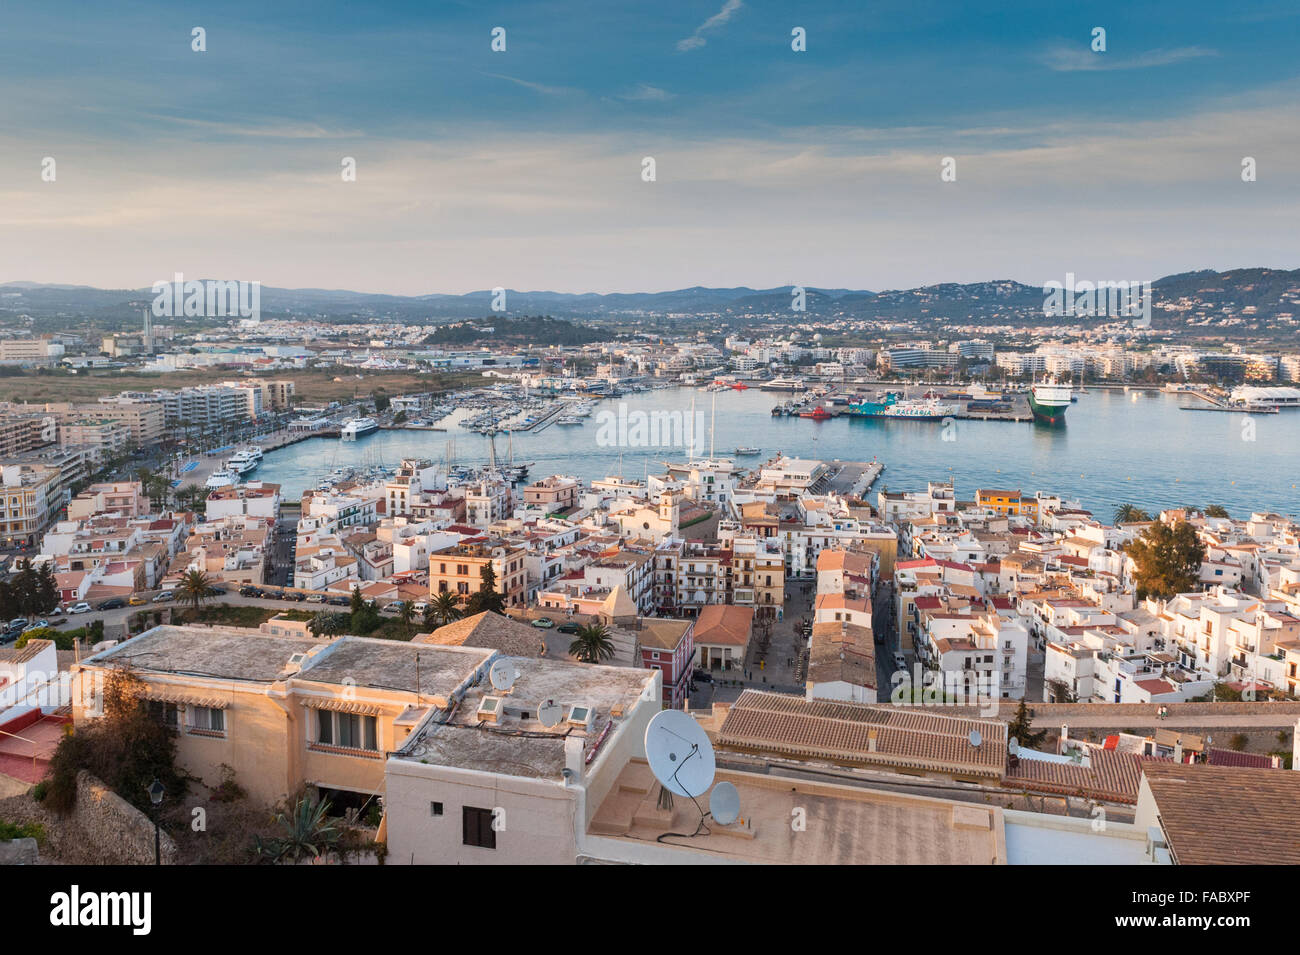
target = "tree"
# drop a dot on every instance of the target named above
(1167, 559)
(1130, 514)
(592, 644)
(47, 587)
(1022, 728)
(328, 624)
(195, 587)
(1216, 510)
(127, 748)
(487, 597)
(442, 609)
(406, 615)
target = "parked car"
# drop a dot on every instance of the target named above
(165, 596)
(568, 628)
(36, 625)
(137, 600)
(339, 601)
(17, 622)
(543, 623)
(82, 607)
(248, 591)
(113, 603)
(217, 591)
(702, 676)
(315, 598)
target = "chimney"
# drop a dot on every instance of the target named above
(1295, 746)
(1178, 750)
(574, 753)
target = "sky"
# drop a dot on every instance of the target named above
(523, 168)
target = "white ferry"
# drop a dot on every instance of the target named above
(220, 479)
(241, 462)
(355, 428)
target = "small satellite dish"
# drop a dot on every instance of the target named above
(1014, 746)
(550, 713)
(679, 753)
(503, 674)
(724, 803)
(975, 738)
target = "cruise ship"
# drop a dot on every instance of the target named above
(355, 428)
(1048, 402)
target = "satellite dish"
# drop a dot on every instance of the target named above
(503, 674)
(550, 713)
(975, 738)
(1014, 746)
(679, 753)
(724, 803)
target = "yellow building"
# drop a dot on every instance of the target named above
(1007, 503)
(284, 712)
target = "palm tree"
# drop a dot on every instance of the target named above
(406, 615)
(195, 587)
(444, 608)
(328, 624)
(592, 644)
(1130, 514)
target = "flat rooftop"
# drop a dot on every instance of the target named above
(392, 665)
(846, 825)
(516, 743)
(225, 653)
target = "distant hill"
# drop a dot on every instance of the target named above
(1236, 302)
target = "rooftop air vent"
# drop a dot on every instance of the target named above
(490, 708)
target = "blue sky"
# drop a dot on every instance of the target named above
(522, 168)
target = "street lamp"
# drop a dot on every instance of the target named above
(156, 793)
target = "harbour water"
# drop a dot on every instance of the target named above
(1116, 447)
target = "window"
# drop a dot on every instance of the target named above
(346, 729)
(435, 809)
(478, 831)
(207, 719)
(165, 713)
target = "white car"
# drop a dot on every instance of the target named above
(164, 596)
(82, 607)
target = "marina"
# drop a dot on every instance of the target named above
(1161, 464)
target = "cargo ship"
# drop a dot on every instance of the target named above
(1048, 402)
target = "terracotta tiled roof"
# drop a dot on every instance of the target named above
(1220, 815)
(851, 733)
(1113, 776)
(723, 624)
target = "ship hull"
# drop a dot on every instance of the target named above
(1047, 413)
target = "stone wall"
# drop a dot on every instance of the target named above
(113, 829)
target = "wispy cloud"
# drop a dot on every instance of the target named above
(719, 19)
(536, 87)
(1070, 59)
(645, 93)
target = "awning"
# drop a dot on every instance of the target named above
(344, 706)
(181, 698)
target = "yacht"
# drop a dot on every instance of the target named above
(355, 428)
(748, 451)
